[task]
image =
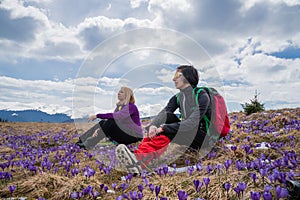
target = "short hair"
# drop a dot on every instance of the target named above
(190, 73)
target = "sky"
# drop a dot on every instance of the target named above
(66, 56)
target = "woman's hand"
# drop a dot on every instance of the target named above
(92, 118)
(95, 134)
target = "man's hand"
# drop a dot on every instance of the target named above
(152, 132)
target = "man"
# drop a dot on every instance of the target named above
(166, 126)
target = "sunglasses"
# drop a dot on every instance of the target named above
(177, 75)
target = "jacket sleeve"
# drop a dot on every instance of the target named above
(126, 112)
(192, 122)
(162, 115)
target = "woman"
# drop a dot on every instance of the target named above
(123, 126)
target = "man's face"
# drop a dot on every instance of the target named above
(178, 80)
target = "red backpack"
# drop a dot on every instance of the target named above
(219, 116)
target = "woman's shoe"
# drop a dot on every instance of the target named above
(81, 145)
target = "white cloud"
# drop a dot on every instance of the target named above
(137, 3)
(240, 36)
(18, 10)
(250, 3)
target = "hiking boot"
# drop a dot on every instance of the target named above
(293, 187)
(128, 159)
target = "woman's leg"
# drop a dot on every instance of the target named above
(88, 133)
(114, 133)
(92, 141)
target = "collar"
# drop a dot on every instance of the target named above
(186, 90)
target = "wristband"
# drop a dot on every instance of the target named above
(162, 128)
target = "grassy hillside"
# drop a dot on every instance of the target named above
(259, 156)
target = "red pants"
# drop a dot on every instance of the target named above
(151, 148)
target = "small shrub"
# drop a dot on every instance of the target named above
(254, 106)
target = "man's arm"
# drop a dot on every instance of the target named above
(192, 122)
(162, 115)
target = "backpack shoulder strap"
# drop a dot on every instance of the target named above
(197, 92)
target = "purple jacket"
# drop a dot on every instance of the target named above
(128, 119)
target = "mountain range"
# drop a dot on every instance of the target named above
(33, 116)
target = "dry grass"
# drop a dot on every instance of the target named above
(58, 185)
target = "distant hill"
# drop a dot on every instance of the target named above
(33, 116)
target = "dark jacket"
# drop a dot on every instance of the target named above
(192, 116)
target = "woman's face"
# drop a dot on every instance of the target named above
(121, 95)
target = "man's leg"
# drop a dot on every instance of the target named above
(147, 151)
(151, 148)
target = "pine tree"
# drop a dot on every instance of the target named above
(254, 106)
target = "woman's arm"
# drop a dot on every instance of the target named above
(126, 112)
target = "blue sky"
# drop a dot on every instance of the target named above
(72, 56)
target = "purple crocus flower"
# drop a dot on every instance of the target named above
(198, 185)
(123, 186)
(125, 196)
(255, 195)
(74, 195)
(101, 186)
(237, 190)
(227, 186)
(199, 167)
(253, 176)
(233, 148)
(165, 170)
(119, 198)
(87, 190)
(74, 171)
(281, 192)
(268, 188)
(187, 162)
(157, 190)
(263, 173)
(267, 195)
(227, 164)
(88, 172)
(163, 198)
(248, 149)
(219, 167)
(239, 165)
(105, 188)
(95, 194)
(190, 170)
(140, 187)
(182, 195)
(114, 185)
(12, 188)
(151, 187)
(209, 169)
(133, 195)
(128, 177)
(140, 195)
(242, 186)
(206, 181)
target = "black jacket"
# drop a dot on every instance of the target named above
(192, 116)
